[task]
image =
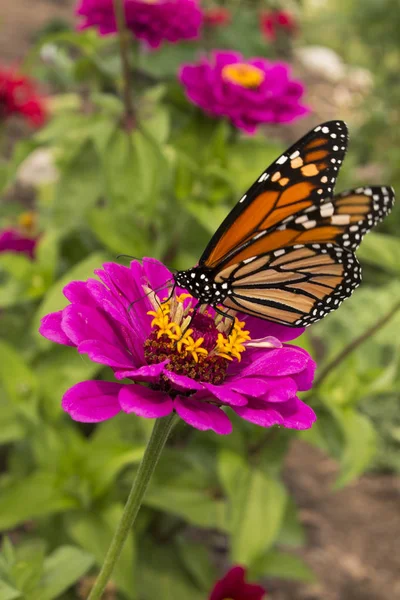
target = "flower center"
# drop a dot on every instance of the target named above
(197, 343)
(243, 74)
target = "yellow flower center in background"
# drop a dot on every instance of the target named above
(243, 74)
(27, 221)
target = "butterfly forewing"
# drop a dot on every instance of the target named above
(298, 180)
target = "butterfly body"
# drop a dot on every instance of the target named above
(285, 252)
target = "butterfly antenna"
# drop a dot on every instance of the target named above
(167, 284)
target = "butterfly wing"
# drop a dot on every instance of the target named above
(294, 287)
(299, 283)
(298, 180)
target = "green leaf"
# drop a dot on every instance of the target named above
(11, 428)
(381, 250)
(8, 593)
(59, 369)
(93, 531)
(55, 300)
(292, 531)
(260, 507)
(360, 445)
(62, 569)
(162, 575)
(32, 497)
(28, 566)
(198, 563)
(79, 187)
(195, 506)
(281, 565)
(20, 280)
(18, 380)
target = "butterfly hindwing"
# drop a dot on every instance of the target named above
(298, 180)
(294, 286)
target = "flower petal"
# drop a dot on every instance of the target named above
(182, 382)
(202, 415)
(50, 328)
(259, 414)
(81, 323)
(149, 373)
(279, 362)
(226, 395)
(77, 291)
(259, 329)
(144, 402)
(252, 386)
(92, 401)
(106, 354)
(296, 414)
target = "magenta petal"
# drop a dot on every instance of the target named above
(146, 373)
(259, 328)
(92, 401)
(145, 402)
(296, 414)
(226, 395)
(252, 386)
(284, 389)
(106, 354)
(77, 291)
(275, 363)
(182, 382)
(82, 323)
(50, 328)
(158, 276)
(202, 415)
(264, 417)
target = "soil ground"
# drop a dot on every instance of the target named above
(353, 535)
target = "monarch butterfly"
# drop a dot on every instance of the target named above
(285, 251)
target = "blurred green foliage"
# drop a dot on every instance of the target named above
(162, 190)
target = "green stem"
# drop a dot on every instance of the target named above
(159, 435)
(124, 39)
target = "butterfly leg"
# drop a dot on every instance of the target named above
(226, 316)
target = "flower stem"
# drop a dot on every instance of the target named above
(159, 435)
(349, 349)
(123, 39)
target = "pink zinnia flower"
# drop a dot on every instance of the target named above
(247, 92)
(152, 21)
(11, 240)
(217, 16)
(191, 366)
(233, 587)
(275, 22)
(18, 96)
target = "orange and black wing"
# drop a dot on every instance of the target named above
(297, 181)
(298, 282)
(295, 287)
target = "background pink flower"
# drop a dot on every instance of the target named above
(11, 240)
(151, 21)
(18, 96)
(247, 92)
(217, 16)
(189, 371)
(233, 587)
(275, 22)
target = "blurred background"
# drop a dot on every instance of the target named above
(75, 193)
